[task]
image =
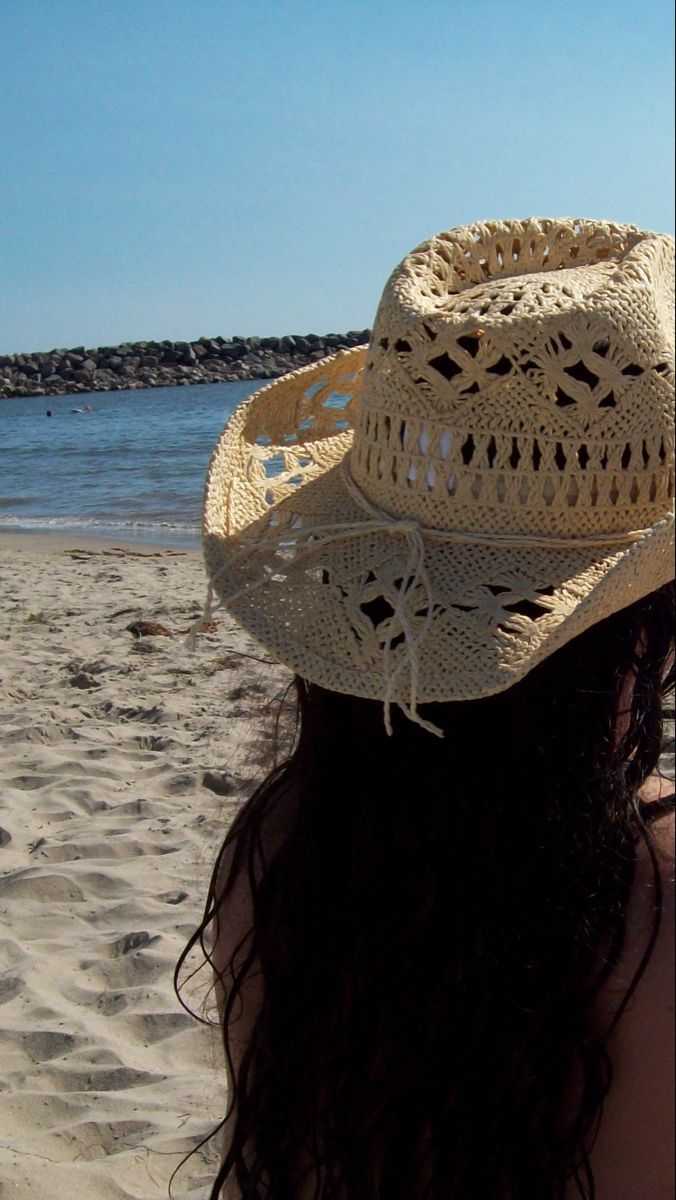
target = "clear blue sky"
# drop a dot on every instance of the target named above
(172, 169)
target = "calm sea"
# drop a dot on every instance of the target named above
(132, 468)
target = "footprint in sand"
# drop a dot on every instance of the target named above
(99, 1139)
(112, 850)
(173, 897)
(123, 971)
(156, 715)
(117, 1079)
(110, 1003)
(32, 883)
(82, 799)
(140, 808)
(149, 1028)
(155, 743)
(181, 785)
(44, 1045)
(10, 986)
(32, 734)
(30, 783)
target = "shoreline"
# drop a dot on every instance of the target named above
(41, 542)
(131, 366)
(13, 537)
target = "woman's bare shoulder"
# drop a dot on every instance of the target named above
(657, 790)
(233, 925)
(634, 1153)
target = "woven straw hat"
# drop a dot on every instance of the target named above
(428, 520)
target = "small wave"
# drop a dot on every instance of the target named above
(14, 501)
(95, 522)
(149, 531)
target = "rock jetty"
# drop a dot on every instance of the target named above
(166, 364)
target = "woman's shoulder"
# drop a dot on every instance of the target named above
(657, 795)
(654, 889)
(634, 1152)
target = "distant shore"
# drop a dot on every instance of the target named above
(166, 364)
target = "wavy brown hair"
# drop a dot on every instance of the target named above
(432, 926)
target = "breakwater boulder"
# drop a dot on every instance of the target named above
(166, 364)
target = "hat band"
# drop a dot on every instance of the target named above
(392, 524)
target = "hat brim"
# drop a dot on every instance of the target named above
(299, 563)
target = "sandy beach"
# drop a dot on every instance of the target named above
(113, 745)
(124, 759)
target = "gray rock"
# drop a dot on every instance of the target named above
(233, 351)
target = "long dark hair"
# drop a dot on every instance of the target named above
(431, 929)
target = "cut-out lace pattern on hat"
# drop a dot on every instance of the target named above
(509, 441)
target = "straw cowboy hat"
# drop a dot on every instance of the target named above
(429, 519)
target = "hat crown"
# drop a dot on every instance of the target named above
(520, 378)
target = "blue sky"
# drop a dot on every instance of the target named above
(208, 167)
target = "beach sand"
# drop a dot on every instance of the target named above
(108, 833)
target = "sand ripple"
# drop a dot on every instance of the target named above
(109, 834)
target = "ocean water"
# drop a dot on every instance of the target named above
(133, 468)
